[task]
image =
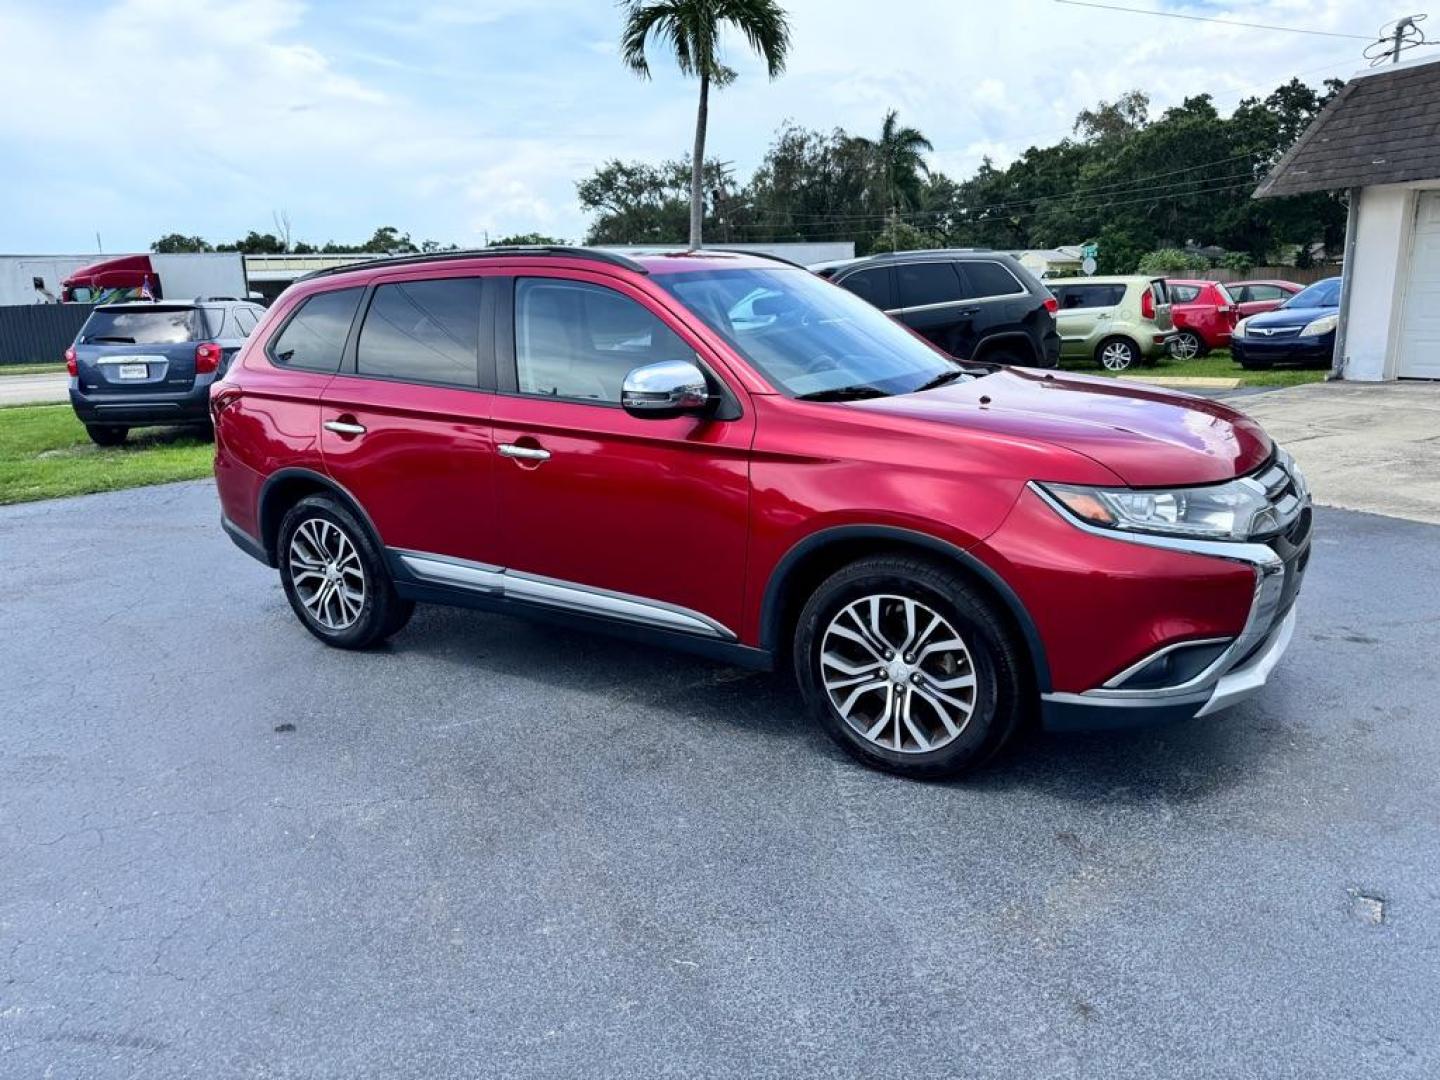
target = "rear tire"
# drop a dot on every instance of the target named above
(107, 434)
(1117, 354)
(335, 576)
(928, 713)
(1189, 346)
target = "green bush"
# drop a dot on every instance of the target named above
(1173, 262)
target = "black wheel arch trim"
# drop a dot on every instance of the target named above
(1004, 338)
(282, 476)
(772, 607)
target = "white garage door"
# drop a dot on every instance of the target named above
(1419, 352)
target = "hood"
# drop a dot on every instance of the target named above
(1146, 437)
(1290, 316)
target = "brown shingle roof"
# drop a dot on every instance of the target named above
(1382, 128)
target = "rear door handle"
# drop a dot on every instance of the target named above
(524, 453)
(342, 427)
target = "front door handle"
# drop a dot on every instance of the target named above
(524, 453)
(343, 427)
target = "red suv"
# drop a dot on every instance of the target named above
(1205, 315)
(729, 454)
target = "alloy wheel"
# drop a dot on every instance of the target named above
(898, 673)
(1186, 347)
(1117, 356)
(327, 574)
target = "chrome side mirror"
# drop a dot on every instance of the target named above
(665, 390)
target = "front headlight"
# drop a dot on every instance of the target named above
(1322, 325)
(1239, 330)
(1236, 510)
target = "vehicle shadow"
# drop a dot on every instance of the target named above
(1176, 763)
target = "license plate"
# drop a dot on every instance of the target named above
(134, 371)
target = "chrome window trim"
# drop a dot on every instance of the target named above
(556, 593)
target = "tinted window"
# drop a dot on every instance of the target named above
(1087, 296)
(1184, 294)
(574, 340)
(1160, 291)
(927, 283)
(989, 279)
(315, 338)
(1321, 294)
(426, 331)
(874, 285)
(147, 327)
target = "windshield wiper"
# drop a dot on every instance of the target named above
(943, 379)
(844, 393)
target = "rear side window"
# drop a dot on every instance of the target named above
(1184, 294)
(989, 279)
(875, 285)
(242, 321)
(314, 338)
(574, 340)
(1072, 297)
(147, 327)
(423, 331)
(928, 283)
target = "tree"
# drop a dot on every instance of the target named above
(692, 28)
(255, 244)
(1116, 119)
(173, 243)
(1173, 262)
(527, 239)
(898, 158)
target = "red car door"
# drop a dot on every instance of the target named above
(406, 421)
(653, 512)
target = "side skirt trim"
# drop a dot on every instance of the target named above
(498, 581)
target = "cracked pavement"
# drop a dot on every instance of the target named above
(495, 848)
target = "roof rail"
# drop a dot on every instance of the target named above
(757, 254)
(479, 253)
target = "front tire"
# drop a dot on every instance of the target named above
(107, 434)
(908, 667)
(1117, 354)
(335, 577)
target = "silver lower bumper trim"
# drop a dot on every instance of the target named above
(1250, 677)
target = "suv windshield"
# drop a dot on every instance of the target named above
(1321, 294)
(809, 337)
(148, 327)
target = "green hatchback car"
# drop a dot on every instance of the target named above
(1119, 322)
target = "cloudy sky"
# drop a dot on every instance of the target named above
(452, 119)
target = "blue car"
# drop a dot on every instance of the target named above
(152, 362)
(1299, 332)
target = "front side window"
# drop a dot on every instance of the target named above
(817, 340)
(423, 331)
(872, 285)
(984, 278)
(147, 326)
(579, 341)
(1264, 292)
(314, 339)
(927, 283)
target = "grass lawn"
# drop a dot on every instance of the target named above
(31, 369)
(1219, 364)
(44, 453)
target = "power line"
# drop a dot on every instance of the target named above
(1212, 19)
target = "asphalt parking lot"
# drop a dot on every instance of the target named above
(498, 849)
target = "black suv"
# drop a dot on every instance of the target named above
(152, 362)
(974, 304)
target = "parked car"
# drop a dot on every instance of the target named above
(976, 305)
(937, 549)
(145, 363)
(1204, 315)
(1254, 297)
(1119, 322)
(1300, 332)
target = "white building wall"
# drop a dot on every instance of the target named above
(1382, 232)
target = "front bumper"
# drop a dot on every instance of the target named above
(1304, 351)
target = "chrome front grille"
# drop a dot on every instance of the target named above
(1283, 486)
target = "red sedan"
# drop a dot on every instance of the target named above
(1205, 314)
(1253, 297)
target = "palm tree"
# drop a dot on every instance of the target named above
(692, 30)
(898, 160)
